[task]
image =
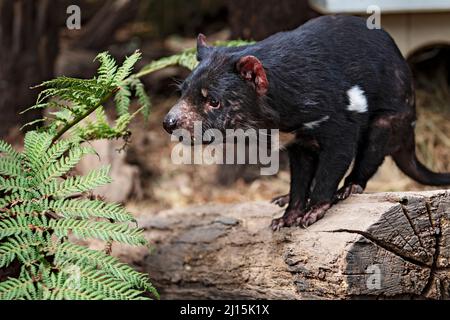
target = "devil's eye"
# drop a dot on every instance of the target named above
(214, 103)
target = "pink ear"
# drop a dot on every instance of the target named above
(251, 69)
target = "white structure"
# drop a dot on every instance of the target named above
(414, 24)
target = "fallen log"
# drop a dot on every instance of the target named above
(380, 246)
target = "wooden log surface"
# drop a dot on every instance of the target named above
(380, 246)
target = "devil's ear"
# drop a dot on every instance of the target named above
(202, 47)
(252, 70)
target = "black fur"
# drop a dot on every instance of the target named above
(309, 72)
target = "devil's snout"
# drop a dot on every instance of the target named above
(170, 122)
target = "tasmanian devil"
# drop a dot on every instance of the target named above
(345, 92)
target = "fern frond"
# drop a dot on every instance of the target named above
(22, 248)
(8, 150)
(125, 70)
(107, 69)
(60, 167)
(40, 205)
(90, 209)
(32, 123)
(83, 97)
(53, 154)
(69, 253)
(61, 287)
(64, 116)
(10, 167)
(75, 185)
(36, 144)
(21, 225)
(122, 100)
(66, 82)
(101, 129)
(30, 207)
(13, 199)
(188, 57)
(106, 231)
(143, 98)
(90, 284)
(122, 123)
(15, 289)
(35, 107)
(17, 184)
(113, 289)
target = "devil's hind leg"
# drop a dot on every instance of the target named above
(371, 154)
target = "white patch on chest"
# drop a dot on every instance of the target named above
(315, 124)
(358, 100)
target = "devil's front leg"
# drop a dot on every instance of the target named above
(334, 161)
(302, 163)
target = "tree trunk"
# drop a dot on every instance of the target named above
(378, 246)
(28, 48)
(99, 31)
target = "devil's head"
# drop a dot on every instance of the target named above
(225, 91)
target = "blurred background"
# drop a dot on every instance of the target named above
(36, 45)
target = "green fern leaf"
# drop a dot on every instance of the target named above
(107, 69)
(66, 291)
(36, 144)
(14, 289)
(13, 199)
(123, 100)
(90, 209)
(143, 98)
(127, 67)
(22, 248)
(75, 185)
(9, 151)
(34, 206)
(122, 123)
(17, 184)
(10, 167)
(63, 116)
(54, 153)
(21, 225)
(66, 285)
(69, 253)
(113, 289)
(61, 167)
(84, 229)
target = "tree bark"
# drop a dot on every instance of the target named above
(99, 31)
(372, 246)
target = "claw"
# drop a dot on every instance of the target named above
(315, 214)
(349, 190)
(277, 224)
(290, 219)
